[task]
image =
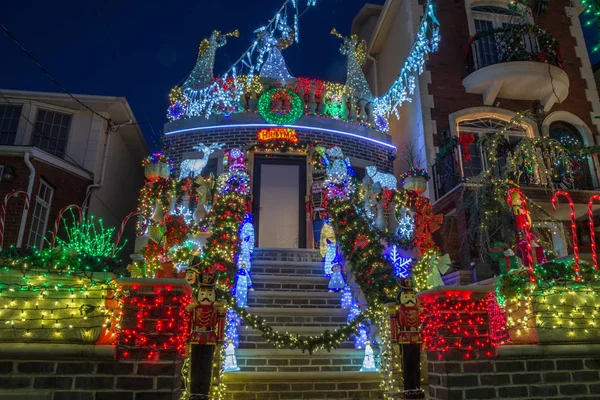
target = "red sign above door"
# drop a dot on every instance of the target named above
(283, 134)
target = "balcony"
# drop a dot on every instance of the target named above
(450, 170)
(520, 62)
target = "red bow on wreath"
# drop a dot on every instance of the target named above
(465, 140)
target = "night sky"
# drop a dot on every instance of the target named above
(141, 49)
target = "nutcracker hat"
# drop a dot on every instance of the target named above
(406, 284)
(207, 280)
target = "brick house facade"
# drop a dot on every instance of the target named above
(68, 188)
(60, 154)
(468, 86)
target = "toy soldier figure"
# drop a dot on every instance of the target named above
(208, 319)
(406, 332)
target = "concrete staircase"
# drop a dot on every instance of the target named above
(291, 294)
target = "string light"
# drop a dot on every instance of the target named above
(280, 107)
(355, 51)
(386, 181)
(455, 320)
(70, 307)
(573, 226)
(427, 41)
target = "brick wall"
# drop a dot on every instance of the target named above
(182, 143)
(448, 66)
(68, 189)
(528, 372)
(88, 378)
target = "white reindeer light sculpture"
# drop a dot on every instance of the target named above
(193, 168)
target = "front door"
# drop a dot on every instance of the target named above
(279, 191)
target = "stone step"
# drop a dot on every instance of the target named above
(322, 317)
(303, 385)
(293, 299)
(298, 268)
(262, 253)
(285, 360)
(289, 282)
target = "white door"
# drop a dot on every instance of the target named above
(279, 206)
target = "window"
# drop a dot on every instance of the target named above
(39, 220)
(51, 132)
(9, 123)
(493, 49)
(581, 178)
(482, 126)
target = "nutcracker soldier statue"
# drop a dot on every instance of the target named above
(406, 332)
(208, 320)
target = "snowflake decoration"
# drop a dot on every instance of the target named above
(399, 263)
(406, 225)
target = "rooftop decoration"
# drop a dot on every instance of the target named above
(263, 64)
(355, 51)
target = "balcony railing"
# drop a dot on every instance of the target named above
(512, 43)
(449, 171)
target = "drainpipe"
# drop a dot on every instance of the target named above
(100, 183)
(29, 192)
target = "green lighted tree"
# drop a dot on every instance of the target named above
(89, 237)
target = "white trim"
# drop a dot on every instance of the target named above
(313, 128)
(591, 93)
(565, 116)
(47, 205)
(484, 111)
(47, 158)
(493, 112)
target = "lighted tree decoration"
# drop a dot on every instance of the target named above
(90, 237)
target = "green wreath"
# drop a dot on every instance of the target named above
(296, 106)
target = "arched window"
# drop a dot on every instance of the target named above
(567, 135)
(476, 162)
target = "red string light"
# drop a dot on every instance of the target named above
(592, 229)
(160, 322)
(455, 320)
(497, 317)
(573, 227)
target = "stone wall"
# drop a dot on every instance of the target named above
(70, 372)
(528, 372)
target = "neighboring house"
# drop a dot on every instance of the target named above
(477, 86)
(61, 153)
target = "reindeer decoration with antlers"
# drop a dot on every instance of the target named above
(193, 168)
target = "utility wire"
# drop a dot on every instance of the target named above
(36, 62)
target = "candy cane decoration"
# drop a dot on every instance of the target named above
(592, 231)
(527, 228)
(14, 193)
(573, 227)
(120, 233)
(59, 218)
